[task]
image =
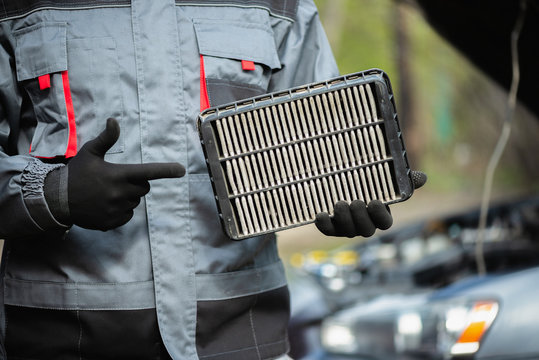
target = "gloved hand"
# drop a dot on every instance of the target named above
(102, 195)
(358, 219)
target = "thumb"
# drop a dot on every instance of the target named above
(104, 141)
(419, 179)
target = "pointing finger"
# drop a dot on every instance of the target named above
(152, 171)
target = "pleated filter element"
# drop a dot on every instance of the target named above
(277, 160)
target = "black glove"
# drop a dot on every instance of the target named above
(358, 219)
(102, 195)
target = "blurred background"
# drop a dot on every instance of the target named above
(451, 113)
(434, 286)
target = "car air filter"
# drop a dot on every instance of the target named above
(277, 160)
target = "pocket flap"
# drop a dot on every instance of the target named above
(240, 41)
(40, 49)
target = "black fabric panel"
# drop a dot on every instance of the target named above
(224, 92)
(42, 334)
(278, 7)
(249, 327)
(21, 7)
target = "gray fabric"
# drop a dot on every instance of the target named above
(30, 40)
(140, 64)
(172, 263)
(240, 282)
(79, 296)
(240, 41)
(19, 8)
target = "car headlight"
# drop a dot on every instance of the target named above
(339, 338)
(445, 330)
(466, 327)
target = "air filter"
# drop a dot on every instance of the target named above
(277, 160)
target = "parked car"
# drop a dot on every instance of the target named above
(373, 281)
(486, 317)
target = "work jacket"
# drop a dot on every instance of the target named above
(68, 65)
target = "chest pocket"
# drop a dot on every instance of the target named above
(237, 58)
(73, 85)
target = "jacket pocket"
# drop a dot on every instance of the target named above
(237, 58)
(73, 86)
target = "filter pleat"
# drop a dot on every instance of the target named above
(230, 177)
(284, 123)
(372, 103)
(274, 118)
(276, 172)
(383, 182)
(285, 208)
(279, 211)
(290, 118)
(359, 105)
(253, 214)
(299, 207)
(260, 213)
(320, 195)
(299, 159)
(281, 162)
(258, 180)
(321, 116)
(251, 123)
(336, 188)
(390, 183)
(365, 104)
(247, 214)
(327, 112)
(247, 133)
(312, 201)
(368, 147)
(350, 97)
(250, 174)
(241, 135)
(346, 188)
(234, 136)
(349, 152)
(340, 110)
(274, 126)
(312, 159)
(305, 158)
(330, 200)
(334, 114)
(318, 156)
(302, 119)
(346, 106)
(292, 205)
(268, 167)
(365, 186)
(222, 139)
(314, 114)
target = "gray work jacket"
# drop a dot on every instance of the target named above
(67, 66)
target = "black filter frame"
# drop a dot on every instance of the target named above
(387, 121)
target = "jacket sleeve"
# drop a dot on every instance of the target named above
(23, 209)
(305, 53)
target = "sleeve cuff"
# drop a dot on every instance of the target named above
(33, 180)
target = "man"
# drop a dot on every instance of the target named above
(92, 268)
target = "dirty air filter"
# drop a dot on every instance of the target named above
(279, 159)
